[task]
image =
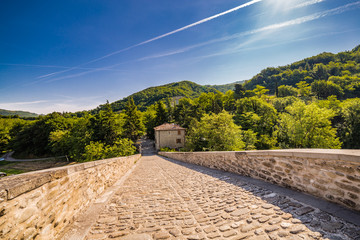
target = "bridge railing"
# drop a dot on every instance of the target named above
(45, 202)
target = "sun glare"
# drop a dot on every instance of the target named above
(281, 6)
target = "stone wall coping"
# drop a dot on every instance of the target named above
(16, 185)
(333, 154)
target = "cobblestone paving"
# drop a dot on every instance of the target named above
(165, 200)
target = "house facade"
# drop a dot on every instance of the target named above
(169, 135)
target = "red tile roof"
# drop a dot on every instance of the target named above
(168, 126)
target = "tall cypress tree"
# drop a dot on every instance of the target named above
(133, 126)
(161, 113)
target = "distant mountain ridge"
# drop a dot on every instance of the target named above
(4, 112)
(226, 87)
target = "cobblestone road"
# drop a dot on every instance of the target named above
(169, 200)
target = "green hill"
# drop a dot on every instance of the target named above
(4, 112)
(151, 95)
(340, 71)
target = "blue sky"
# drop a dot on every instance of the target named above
(74, 55)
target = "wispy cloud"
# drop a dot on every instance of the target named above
(308, 3)
(62, 104)
(24, 106)
(62, 67)
(246, 46)
(24, 103)
(271, 27)
(302, 20)
(156, 38)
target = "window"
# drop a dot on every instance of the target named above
(179, 132)
(178, 140)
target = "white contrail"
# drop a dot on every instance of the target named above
(308, 3)
(296, 21)
(158, 37)
(276, 26)
(312, 17)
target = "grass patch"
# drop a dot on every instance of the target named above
(11, 171)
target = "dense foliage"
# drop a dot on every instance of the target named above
(327, 73)
(85, 138)
(215, 132)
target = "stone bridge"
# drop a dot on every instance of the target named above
(292, 194)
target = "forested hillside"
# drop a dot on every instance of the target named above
(151, 95)
(327, 74)
(4, 112)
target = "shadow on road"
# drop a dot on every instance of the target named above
(331, 220)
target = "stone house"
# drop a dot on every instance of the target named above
(169, 135)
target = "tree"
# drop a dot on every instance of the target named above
(6, 126)
(306, 126)
(104, 126)
(170, 109)
(229, 101)
(133, 125)
(149, 118)
(250, 139)
(239, 91)
(32, 140)
(323, 89)
(93, 151)
(161, 113)
(304, 88)
(122, 147)
(349, 130)
(187, 110)
(320, 72)
(281, 103)
(215, 132)
(255, 114)
(260, 90)
(79, 137)
(286, 91)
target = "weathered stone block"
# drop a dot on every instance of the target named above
(59, 173)
(353, 178)
(3, 195)
(319, 186)
(29, 184)
(344, 169)
(352, 195)
(347, 202)
(26, 214)
(336, 191)
(348, 187)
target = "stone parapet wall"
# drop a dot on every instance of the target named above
(41, 204)
(330, 174)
